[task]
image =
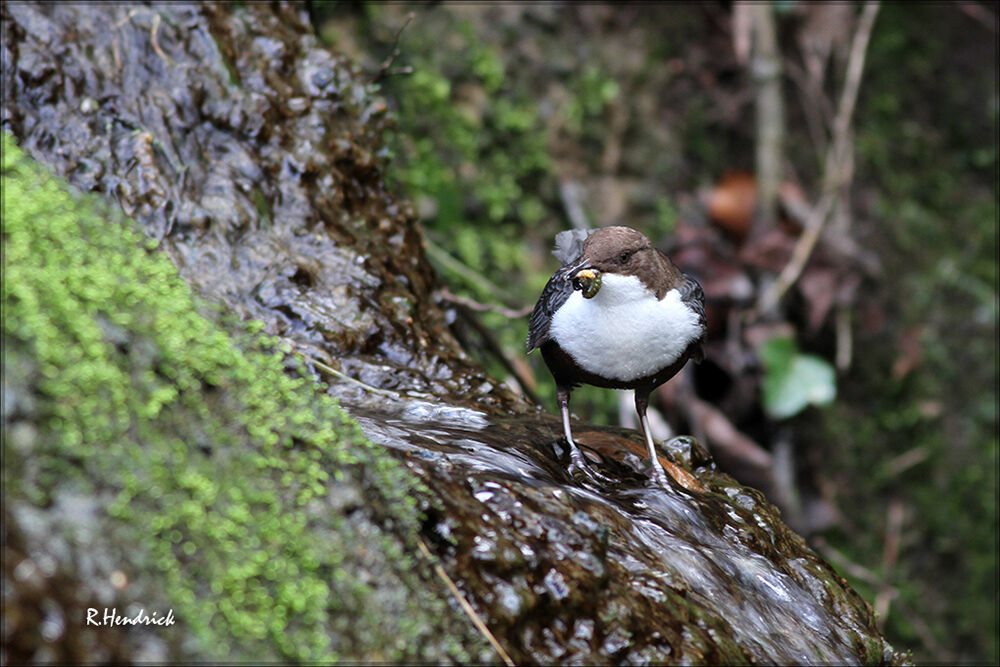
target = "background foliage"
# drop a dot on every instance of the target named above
(643, 107)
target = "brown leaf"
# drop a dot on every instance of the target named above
(911, 353)
(732, 201)
(770, 251)
(818, 286)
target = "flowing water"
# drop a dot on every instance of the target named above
(575, 569)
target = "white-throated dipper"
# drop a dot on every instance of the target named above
(618, 314)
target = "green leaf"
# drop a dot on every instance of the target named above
(793, 380)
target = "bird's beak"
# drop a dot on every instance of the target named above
(570, 272)
(588, 281)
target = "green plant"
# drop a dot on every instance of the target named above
(211, 467)
(793, 380)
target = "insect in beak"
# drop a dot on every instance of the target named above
(587, 281)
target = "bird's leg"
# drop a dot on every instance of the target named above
(641, 403)
(577, 463)
(575, 455)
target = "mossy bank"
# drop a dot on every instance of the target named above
(159, 456)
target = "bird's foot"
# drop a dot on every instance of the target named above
(659, 477)
(581, 470)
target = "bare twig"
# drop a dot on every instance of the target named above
(980, 14)
(443, 258)
(941, 655)
(899, 464)
(617, 124)
(765, 67)
(156, 44)
(890, 553)
(343, 376)
(472, 304)
(128, 17)
(855, 67)
(845, 340)
(838, 160)
(497, 351)
(785, 491)
(815, 106)
(723, 435)
(154, 29)
(839, 559)
(116, 53)
(385, 69)
(464, 604)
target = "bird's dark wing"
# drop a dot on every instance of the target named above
(556, 291)
(693, 296)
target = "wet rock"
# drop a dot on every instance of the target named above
(253, 158)
(156, 465)
(253, 155)
(627, 572)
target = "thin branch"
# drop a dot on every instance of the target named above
(385, 69)
(897, 465)
(941, 655)
(855, 67)
(724, 436)
(845, 340)
(830, 553)
(837, 161)
(815, 107)
(472, 304)
(464, 604)
(152, 34)
(765, 67)
(800, 254)
(980, 14)
(388, 393)
(894, 518)
(156, 45)
(443, 258)
(497, 350)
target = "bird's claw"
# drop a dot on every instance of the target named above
(659, 478)
(578, 468)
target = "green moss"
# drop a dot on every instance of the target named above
(215, 464)
(475, 157)
(471, 151)
(474, 160)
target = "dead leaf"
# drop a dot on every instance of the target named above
(732, 201)
(770, 251)
(911, 353)
(818, 286)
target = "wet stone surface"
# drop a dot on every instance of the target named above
(574, 571)
(253, 156)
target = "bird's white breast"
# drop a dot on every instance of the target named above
(624, 332)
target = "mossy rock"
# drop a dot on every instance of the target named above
(159, 456)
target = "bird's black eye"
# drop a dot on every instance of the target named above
(624, 257)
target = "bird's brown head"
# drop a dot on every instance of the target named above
(616, 249)
(623, 251)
